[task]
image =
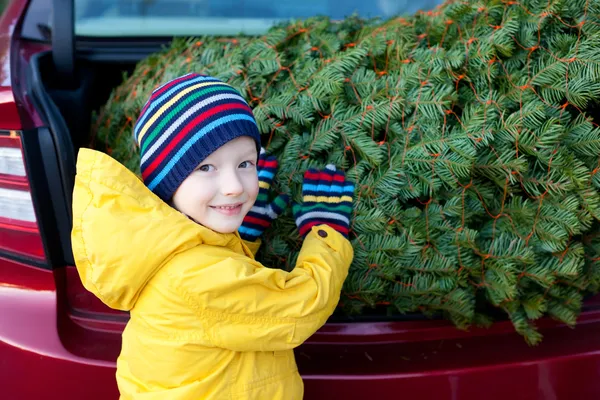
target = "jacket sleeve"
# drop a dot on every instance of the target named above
(244, 306)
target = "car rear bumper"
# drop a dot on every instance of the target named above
(45, 352)
(28, 374)
(493, 367)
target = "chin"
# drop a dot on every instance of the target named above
(229, 228)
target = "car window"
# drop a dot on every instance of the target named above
(148, 18)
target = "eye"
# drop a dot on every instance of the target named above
(206, 168)
(246, 164)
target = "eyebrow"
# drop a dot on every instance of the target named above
(249, 154)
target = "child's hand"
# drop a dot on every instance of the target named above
(263, 213)
(327, 199)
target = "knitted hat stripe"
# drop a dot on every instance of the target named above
(163, 93)
(200, 95)
(171, 100)
(169, 151)
(158, 102)
(152, 103)
(185, 105)
(161, 89)
(230, 108)
(183, 121)
(205, 130)
(229, 132)
(169, 141)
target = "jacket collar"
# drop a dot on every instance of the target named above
(123, 234)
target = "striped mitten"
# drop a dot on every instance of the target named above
(326, 199)
(263, 212)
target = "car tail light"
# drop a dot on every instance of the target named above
(19, 231)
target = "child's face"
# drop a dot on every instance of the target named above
(223, 188)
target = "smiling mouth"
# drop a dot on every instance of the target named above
(230, 209)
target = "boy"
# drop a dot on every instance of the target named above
(207, 320)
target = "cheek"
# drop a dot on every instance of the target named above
(192, 195)
(253, 189)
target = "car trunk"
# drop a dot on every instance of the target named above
(354, 357)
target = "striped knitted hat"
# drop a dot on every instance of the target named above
(182, 123)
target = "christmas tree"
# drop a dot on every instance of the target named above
(468, 129)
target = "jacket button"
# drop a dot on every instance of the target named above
(322, 233)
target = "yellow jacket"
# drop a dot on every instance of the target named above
(207, 320)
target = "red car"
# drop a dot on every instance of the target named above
(57, 341)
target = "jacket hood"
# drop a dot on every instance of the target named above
(123, 233)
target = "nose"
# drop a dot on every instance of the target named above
(231, 184)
